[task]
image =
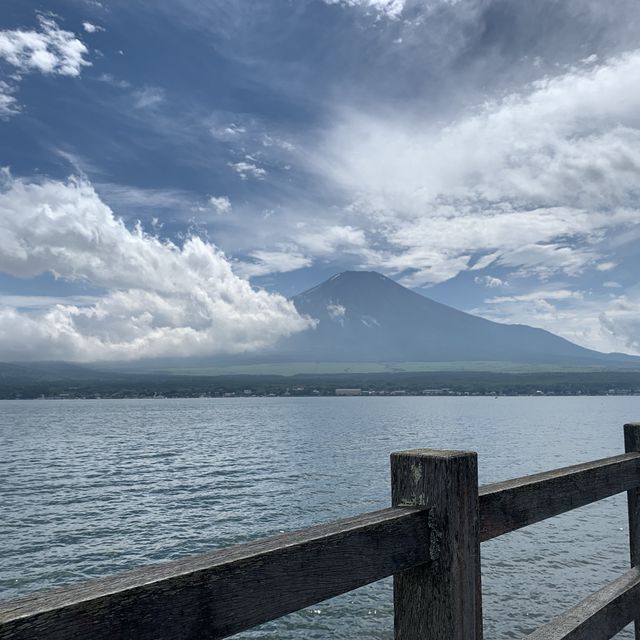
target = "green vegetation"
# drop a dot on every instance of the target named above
(76, 382)
(322, 368)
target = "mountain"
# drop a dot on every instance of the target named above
(364, 316)
(365, 322)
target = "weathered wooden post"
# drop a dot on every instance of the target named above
(632, 443)
(441, 599)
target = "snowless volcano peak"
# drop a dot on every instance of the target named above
(363, 316)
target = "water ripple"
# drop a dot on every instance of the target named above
(90, 488)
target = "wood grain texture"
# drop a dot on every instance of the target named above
(632, 444)
(600, 616)
(221, 593)
(429, 541)
(440, 600)
(510, 505)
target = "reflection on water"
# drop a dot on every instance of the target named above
(93, 487)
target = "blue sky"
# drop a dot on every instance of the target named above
(173, 171)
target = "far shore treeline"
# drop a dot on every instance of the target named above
(30, 381)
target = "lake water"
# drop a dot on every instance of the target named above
(89, 488)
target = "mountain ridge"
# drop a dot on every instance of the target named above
(368, 322)
(366, 316)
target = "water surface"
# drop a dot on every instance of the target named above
(89, 488)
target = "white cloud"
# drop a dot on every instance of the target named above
(598, 322)
(484, 261)
(327, 239)
(253, 139)
(490, 281)
(8, 104)
(546, 258)
(266, 262)
(44, 302)
(113, 81)
(336, 311)
(540, 297)
(621, 318)
(220, 204)
(274, 141)
(226, 132)
(160, 299)
(246, 169)
(49, 50)
(537, 181)
(91, 28)
(390, 8)
(148, 97)
(130, 198)
(394, 8)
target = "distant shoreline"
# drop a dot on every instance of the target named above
(55, 381)
(329, 395)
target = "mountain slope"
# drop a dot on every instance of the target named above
(366, 317)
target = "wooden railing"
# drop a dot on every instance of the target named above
(429, 540)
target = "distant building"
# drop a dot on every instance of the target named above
(348, 392)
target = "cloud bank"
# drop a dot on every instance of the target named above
(535, 181)
(389, 8)
(611, 324)
(491, 143)
(159, 299)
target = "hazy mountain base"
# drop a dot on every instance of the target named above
(296, 368)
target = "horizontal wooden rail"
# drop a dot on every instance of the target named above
(600, 616)
(513, 504)
(221, 593)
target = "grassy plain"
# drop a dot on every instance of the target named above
(323, 368)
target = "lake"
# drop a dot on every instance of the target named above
(93, 487)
